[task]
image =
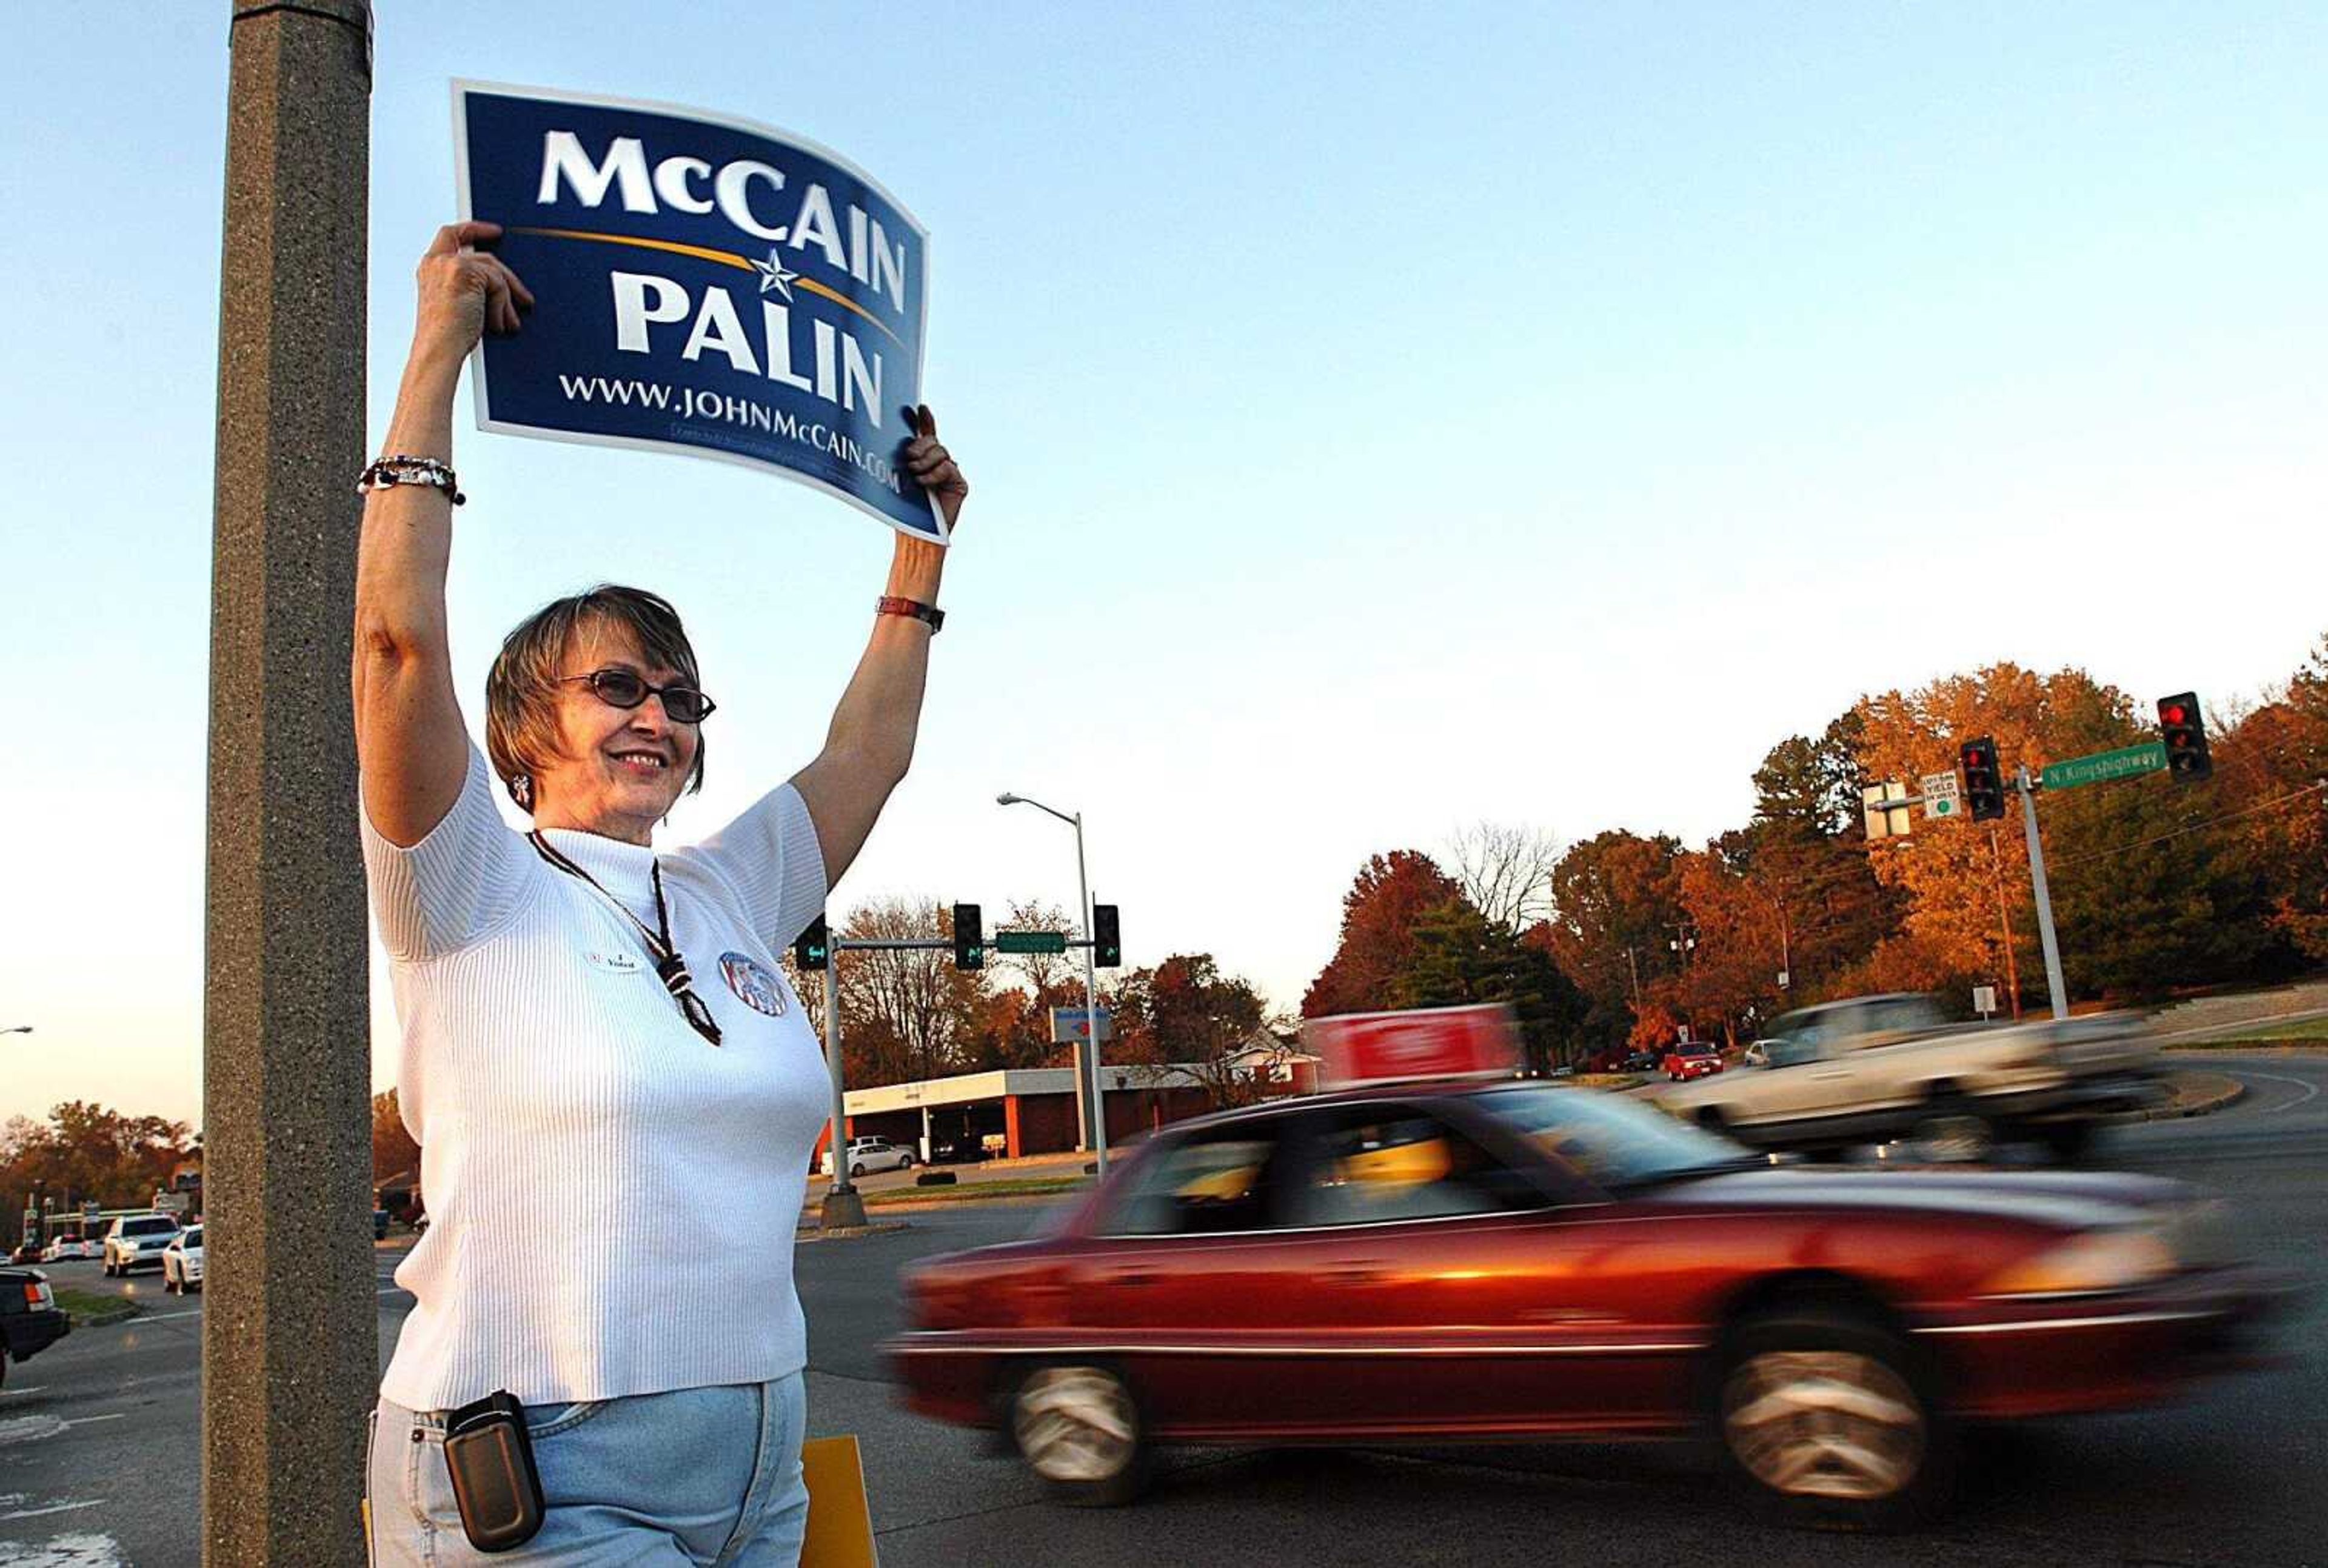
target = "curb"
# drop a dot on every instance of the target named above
(809, 1233)
(2192, 1095)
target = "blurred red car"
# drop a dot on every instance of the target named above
(1691, 1059)
(1430, 1262)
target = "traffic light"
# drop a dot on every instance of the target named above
(813, 948)
(1107, 937)
(968, 938)
(2185, 734)
(1984, 785)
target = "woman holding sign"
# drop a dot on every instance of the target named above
(614, 1090)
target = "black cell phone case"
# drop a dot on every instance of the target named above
(491, 1462)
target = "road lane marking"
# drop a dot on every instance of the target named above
(2309, 1088)
(53, 1508)
(67, 1551)
(85, 1419)
(36, 1388)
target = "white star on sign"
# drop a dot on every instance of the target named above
(774, 276)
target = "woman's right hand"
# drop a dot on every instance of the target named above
(464, 292)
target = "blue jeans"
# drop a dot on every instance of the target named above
(694, 1476)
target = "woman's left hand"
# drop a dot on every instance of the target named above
(933, 467)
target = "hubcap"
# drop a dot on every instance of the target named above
(1823, 1423)
(1954, 1140)
(1074, 1423)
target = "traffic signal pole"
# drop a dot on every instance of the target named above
(2057, 991)
(844, 1206)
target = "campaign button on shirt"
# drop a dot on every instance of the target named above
(753, 981)
(614, 960)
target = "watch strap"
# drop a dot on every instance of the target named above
(894, 604)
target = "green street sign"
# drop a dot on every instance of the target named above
(1030, 941)
(2103, 765)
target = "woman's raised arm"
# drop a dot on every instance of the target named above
(871, 741)
(409, 744)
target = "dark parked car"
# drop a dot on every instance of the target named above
(1433, 1264)
(29, 1319)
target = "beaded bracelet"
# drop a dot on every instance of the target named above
(390, 471)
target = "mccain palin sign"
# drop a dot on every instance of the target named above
(702, 284)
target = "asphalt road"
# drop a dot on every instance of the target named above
(100, 1436)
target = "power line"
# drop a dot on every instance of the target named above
(2310, 789)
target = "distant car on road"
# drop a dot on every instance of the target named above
(1693, 1059)
(1642, 1062)
(1870, 1069)
(30, 1321)
(867, 1155)
(136, 1241)
(1432, 1263)
(27, 1252)
(70, 1249)
(181, 1263)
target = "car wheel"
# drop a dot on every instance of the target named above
(857, 1168)
(1951, 1132)
(1826, 1420)
(1077, 1427)
(906, 1163)
(2068, 1141)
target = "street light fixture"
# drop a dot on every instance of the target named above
(1097, 1087)
(17, 1030)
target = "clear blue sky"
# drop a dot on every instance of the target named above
(1364, 407)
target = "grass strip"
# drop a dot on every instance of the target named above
(91, 1310)
(973, 1191)
(2311, 1032)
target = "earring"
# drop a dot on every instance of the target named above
(521, 791)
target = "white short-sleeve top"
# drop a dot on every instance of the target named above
(611, 1198)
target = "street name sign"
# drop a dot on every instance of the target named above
(702, 284)
(1943, 795)
(1030, 941)
(1070, 1024)
(2103, 765)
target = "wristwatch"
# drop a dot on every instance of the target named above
(893, 604)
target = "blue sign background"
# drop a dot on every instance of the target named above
(564, 377)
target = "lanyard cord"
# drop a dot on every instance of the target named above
(669, 967)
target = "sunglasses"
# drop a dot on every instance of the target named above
(622, 689)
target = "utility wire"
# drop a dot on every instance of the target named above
(2310, 789)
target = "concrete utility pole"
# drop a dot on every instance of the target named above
(290, 1336)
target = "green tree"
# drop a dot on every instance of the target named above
(1460, 956)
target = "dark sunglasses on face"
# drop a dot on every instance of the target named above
(624, 689)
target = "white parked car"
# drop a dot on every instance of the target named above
(870, 1154)
(64, 1249)
(136, 1241)
(181, 1263)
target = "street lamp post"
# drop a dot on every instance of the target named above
(1098, 1084)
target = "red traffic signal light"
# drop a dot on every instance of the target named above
(2185, 734)
(1983, 786)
